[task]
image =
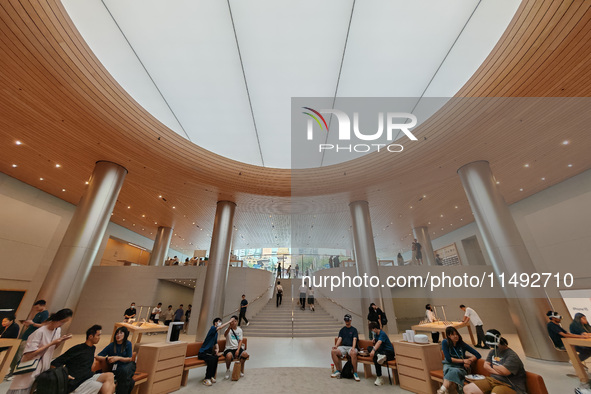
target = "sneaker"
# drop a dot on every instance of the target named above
(247, 324)
(442, 390)
(227, 375)
(206, 382)
(379, 381)
(8, 378)
(336, 374)
(241, 374)
(381, 359)
(356, 377)
(212, 380)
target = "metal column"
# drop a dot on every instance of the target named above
(161, 244)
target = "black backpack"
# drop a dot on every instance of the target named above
(52, 381)
(347, 372)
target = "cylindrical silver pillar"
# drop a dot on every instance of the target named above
(161, 244)
(508, 255)
(73, 261)
(422, 236)
(214, 289)
(365, 254)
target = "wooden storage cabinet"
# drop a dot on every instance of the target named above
(415, 361)
(164, 364)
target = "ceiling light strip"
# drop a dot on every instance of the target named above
(256, 131)
(339, 77)
(146, 70)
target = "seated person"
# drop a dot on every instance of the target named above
(209, 352)
(129, 313)
(556, 331)
(456, 363)
(78, 359)
(9, 329)
(580, 326)
(234, 348)
(346, 345)
(119, 354)
(382, 350)
(507, 375)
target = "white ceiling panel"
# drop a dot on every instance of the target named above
(289, 49)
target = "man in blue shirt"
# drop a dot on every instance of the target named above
(178, 314)
(382, 350)
(242, 315)
(346, 345)
(207, 351)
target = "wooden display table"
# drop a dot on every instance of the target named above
(415, 362)
(441, 326)
(137, 329)
(8, 355)
(163, 362)
(569, 345)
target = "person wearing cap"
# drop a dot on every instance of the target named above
(470, 315)
(382, 350)
(556, 332)
(507, 374)
(346, 345)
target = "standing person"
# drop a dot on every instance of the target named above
(330, 262)
(470, 315)
(243, 306)
(31, 326)
(375, 315)
(156, 313)
(507, 374)
(119, 354)
(279, 289)
(456, 364)
(311, 298)
(279, 270)
(336, 262)
(399, 259)
(297, 270)
(78, 359)
(419, 253)
(382, 351)
(234, 348)
(41, 344)
(168, 315)
(346, 345)
(187, 317)
(303, 289)
(129, 313)
(207, 351)
(438, 260)
(431, 319)
(414, 252)
(288, 272)
(179, 313)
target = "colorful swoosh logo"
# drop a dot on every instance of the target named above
(315, 118)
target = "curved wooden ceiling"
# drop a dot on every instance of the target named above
(526, 98)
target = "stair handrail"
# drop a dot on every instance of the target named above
(341, 306)
(250, 302)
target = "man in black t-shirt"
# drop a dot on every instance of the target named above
(556, 331)
(129, 313)
(79, 359)
(242, 314)
(346, 345)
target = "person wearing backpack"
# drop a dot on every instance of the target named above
(346, 345)
(279, 293)
(40, 346)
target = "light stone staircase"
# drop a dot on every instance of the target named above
(277, 322)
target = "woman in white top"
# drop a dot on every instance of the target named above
(41, 345)
(431, 318)
(311, 298)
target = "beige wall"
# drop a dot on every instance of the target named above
(116, 251)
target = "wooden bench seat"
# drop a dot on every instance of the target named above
(368, 361)
(535, 383)
(192, 361)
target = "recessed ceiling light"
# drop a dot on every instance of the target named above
(18, 142)
(526, 165)
(40, 179)
(565, 142)
(442, 228)
(570, 165)
(155, 222)
(543, 179)
(521, 189)
(429, 223)
(173, 207)
(461, 219)
(143, 216)
(456, 207)
(498, 183)
(57, 165)
(86, 183)
(63, 190)
(134, 224)
(441, 215)
(14, 166)
(123, 219)
(411, 207)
